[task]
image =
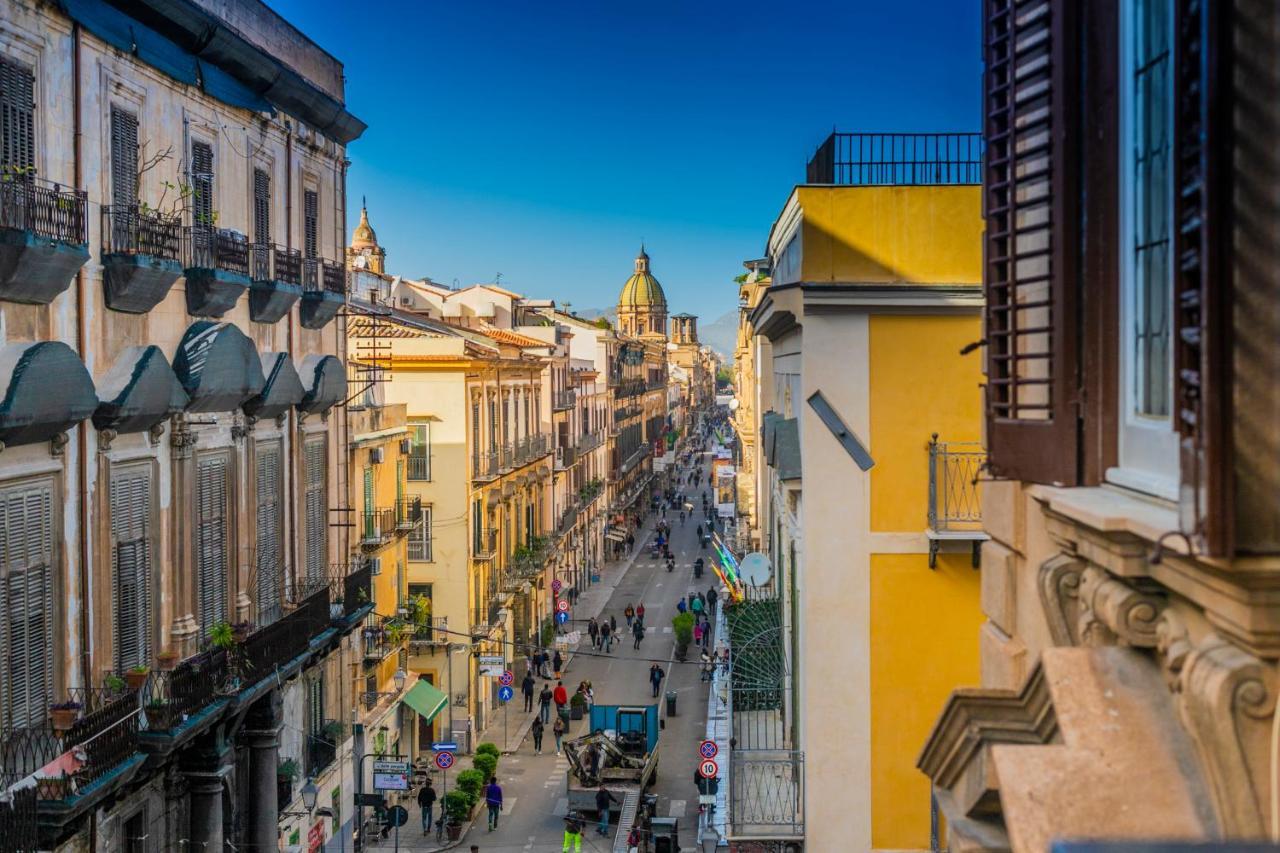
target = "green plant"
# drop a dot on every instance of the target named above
(333, 731)
(420, 608)
(457, 806)
(485, 764)
(222, 636)
(472, 783)
(287, 769)
(114, 683)
(141, 669)
(488, 748)
(396, 631)
(682, 625)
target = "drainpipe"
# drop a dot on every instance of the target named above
(290, 482)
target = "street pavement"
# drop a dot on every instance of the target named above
(534, 785)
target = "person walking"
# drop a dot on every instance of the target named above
(606, 639)
(544, 704)
(426, 800)
(526, 687)
(706, 632)
(655, 679)
(493, 799)
(697, 633)
(561, 697)
(603, 798)
(556, 663)
(695, 604)
(699, 531)
(681, 606)
(557, 729)
(573, 825)
(638, 632)
(708, 666)
(593, 631)
(630, 613)
(711, 600)
(640, 612)
(613, 625)
(536, 730)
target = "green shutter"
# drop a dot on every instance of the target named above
(131, 565)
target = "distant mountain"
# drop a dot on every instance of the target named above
(722, 335)
(595, 313)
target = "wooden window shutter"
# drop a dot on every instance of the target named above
(311, 223)
(315, 507)
(26, 603)
(17, 116)
(1202, 287)
(131, 565)
(1032, 218)
(124, 158)
(211, 541)
(270, 562)
(261, 207)
(202, 207)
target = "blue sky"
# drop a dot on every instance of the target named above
(544, 139)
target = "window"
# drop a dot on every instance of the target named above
(315, 711)
(420, 451)
(17, 116)
(311, 223)
(261, 207)
(1148, 446)
(270, 563)
(26, 602)
(211, 541)
(202, 207)
(477, 527)
(131, 565)
(493, 423)
(420, 538)
(124, 158)
(315, 460)
(135, 833)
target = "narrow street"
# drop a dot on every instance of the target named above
(534, 785)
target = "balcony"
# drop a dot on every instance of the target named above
(955, 508)
(321, 752)
(565, 457)
(43, 238)
(589, 441)
(484, 466)
(895, 159)
(357, 595)
(383, 635)
(216, 268)
(408, 513)
(766, 794)
(278, 648)
(485, 545)
(141, 257)
(324, 292)
(276, 274)
(629, 388)
(172, 697)
(434, 632)
(566, 399)
(528, 561)
(377, 526)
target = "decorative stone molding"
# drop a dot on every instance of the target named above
(58, 444)
(105, 437)
(1226, 701)
(1112, 612)
(1059, 586)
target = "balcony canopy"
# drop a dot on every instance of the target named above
(47, 390)
(138, 392)
(281, 387)
(325, 383)
(218, 367)
(425, 699)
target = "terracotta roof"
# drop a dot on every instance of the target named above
(513, 338)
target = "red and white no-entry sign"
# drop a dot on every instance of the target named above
(563, 605)
(708, 769)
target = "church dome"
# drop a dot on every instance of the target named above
(642, 289)
(363, 235)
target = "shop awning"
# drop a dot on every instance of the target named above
(425, 699)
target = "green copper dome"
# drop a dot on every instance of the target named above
(642, 289)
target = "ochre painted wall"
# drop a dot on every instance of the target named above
(920, 385)
(905, 234)
(923, 628)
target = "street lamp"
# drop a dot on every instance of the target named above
(309, 793)
(399, 678)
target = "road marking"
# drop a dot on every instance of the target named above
(677, 808)
(508, 804)
(666, 630)
(562, 807)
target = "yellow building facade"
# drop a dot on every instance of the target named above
(867, 415)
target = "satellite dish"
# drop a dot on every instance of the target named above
(754, 569)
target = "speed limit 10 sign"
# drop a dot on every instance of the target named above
(708, 769)
(563, 605)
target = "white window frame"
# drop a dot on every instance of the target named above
(421, 533)
(1148, 453)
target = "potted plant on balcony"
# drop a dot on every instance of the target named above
(166, 660)
(222, 636)
(114, 684)
(457, 808)
(333, 731)
(136, 677)
(577, 705)
(63, 715)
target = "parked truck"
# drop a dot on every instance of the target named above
(620, 751)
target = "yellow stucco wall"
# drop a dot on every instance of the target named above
(920, 385)
(923, 628)
(922, 234)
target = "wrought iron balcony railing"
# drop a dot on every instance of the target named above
(319, 274)
(485, 544)
(881, 159)
(321, 752)
(766, 793)
(209, 247)
(377, 526)
(50, 210)
(171, 696)
(132, 230)
(433, 633)
(565, 399)
(408, 513)
(357, 589)
(955, 508)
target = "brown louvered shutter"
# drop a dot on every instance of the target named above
(124, 158)
(261, 206)
(131, 565)
(17, 116)
(316, 506)
(211, 541)
(202, 183)
(311, 223)
(1030, 277)
(1202, 287)
(26, 603)
(270, 565)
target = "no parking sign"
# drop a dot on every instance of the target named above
(444, 760)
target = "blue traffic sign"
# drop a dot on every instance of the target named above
(505, 693)
(562, 618)
(444, 746)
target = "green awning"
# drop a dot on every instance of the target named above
(425, 699)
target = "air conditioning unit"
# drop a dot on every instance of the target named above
(406, 300)
(404, 446)
(375, 565)
(375, 456)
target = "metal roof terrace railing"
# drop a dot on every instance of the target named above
(891, 159)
